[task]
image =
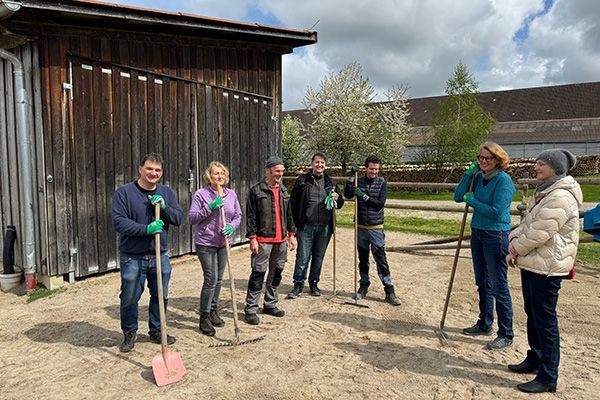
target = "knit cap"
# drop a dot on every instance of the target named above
(560, 160)
(273, 161)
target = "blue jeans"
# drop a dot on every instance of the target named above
(489, 250)
(540, 296)
(213, 261)
(375, 239)
(134, 272)
(312, 244)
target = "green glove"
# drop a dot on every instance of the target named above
(360, 193)
(353, 171)
(227, 230)
(467, 197)
(217, 202)
(158, 199)
(155, 227)
(472, 168)
(330, 202)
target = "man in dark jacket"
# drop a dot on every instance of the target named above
(133, 219)
(371, 194)
(270, 230)
(313, 196)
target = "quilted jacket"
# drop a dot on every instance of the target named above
(547, 238)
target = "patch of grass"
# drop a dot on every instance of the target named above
(435, 227)
(591, 193)
(41, 291)
(589, 253)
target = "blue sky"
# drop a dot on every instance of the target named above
(505, 43)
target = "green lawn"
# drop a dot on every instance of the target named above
(587, 252)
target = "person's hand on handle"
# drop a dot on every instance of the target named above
(227, 230)
(217, 202)
(472, 168)
(155, 227)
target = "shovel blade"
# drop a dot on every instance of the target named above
(168, 369)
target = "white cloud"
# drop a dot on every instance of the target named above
(419, 43)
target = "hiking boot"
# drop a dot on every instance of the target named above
(500, 343)
(476, 330)
(252, 319)
(206, 327)
(314, 289)
(155, 338)
(128, 342)
(392, 299)
(215, 319)
(274, 311)
(296, 291)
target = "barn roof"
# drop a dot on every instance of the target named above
(563, 113)
(103, 15)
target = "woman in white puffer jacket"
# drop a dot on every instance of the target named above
(544, 247)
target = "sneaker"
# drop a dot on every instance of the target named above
(476, 330)
(500, 343)
(296, 291)
(215, 319)
(128, 342)
(155, 338)
(314, 290)
(252, 319)
(274, 311)
(392, 299)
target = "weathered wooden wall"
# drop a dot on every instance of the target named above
(10, 164)
(133, 94)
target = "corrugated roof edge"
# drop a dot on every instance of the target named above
(304, 35)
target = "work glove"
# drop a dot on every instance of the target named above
(227, 230)
(155, 227)
(158, 199)
(330, 200)
(217, 202)
(352, 172)
(359, 193)
(472, 168)
(468, 197)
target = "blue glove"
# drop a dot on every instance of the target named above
(468, 197)
(155, 227)
(360, 193)
(217, 202)
(158, 199)
(227, 230)
(472, 168)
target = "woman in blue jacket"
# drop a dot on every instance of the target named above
(490, 225)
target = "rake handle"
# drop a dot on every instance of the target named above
(231, 283)
(455, 263)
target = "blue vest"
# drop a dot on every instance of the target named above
(367, 215)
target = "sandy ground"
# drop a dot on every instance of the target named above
(65, 347)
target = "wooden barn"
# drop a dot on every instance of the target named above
(107, 83)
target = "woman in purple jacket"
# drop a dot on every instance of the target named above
(210, 234)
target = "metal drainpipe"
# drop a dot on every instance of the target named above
(24, 153)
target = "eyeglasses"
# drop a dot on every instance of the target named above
(486, 159)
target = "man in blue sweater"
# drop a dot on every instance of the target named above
(371, 194)
(133, 219)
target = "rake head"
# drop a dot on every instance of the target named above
(237, 342)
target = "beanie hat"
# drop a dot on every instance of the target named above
(560, 160)
(273, 161)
